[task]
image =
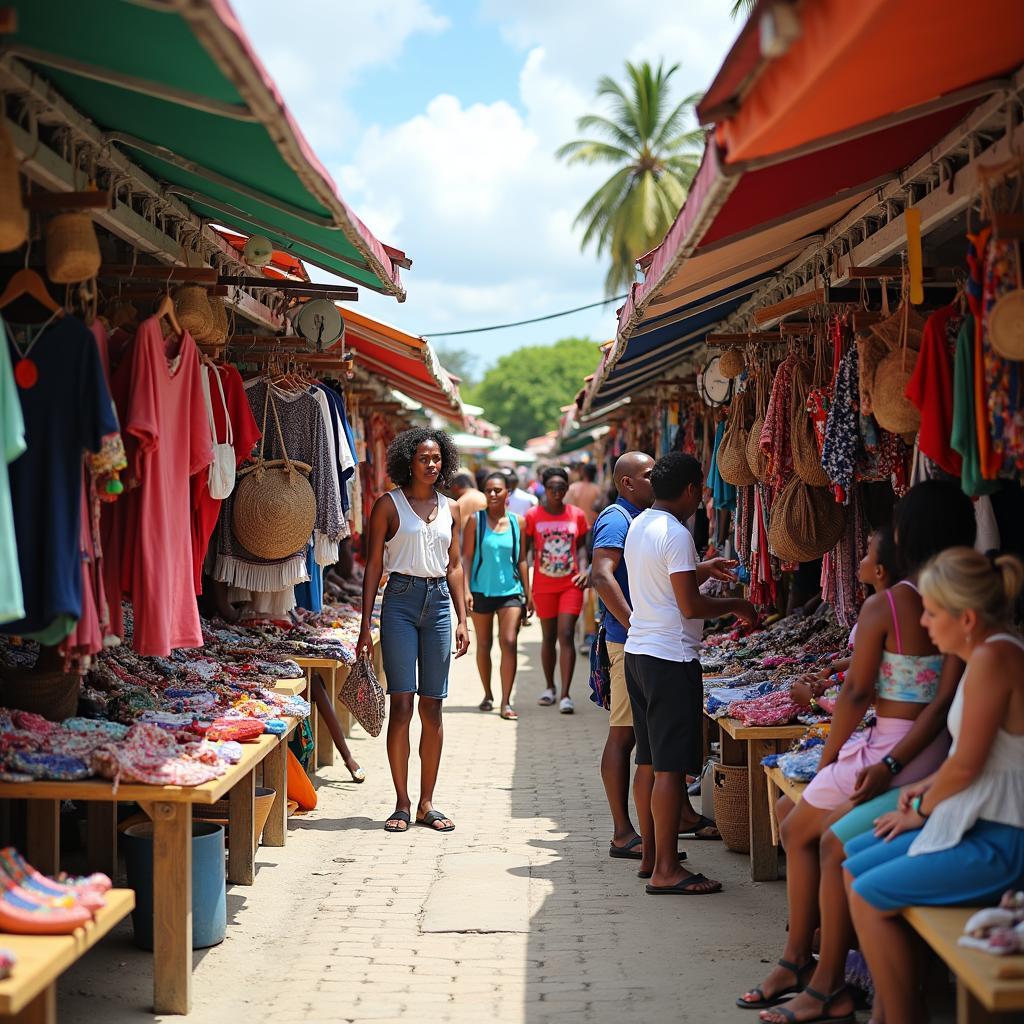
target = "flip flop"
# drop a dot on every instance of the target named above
(509, 715)
(397, 816)
(627, 852)
(358, 774)
(430, 817)
(702, 823)
(650, 874)
(486, 704)
(687, 887)
(826, 1002)
(546, 699)
(764, 1002)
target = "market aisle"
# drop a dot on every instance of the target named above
(333, 930)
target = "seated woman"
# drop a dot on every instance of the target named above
(896, 667)
(958, 836)
(879, 570)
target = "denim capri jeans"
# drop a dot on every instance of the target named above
(416, 635)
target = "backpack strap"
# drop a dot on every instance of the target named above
(513, 525)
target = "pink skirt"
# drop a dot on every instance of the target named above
(833, 786)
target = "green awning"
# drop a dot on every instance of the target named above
(176, 86)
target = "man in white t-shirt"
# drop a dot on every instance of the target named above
(519, 501)
(662, 656)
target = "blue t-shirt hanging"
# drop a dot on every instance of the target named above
(610, 529)
(66, 411)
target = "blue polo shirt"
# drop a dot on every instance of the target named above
(610, 531)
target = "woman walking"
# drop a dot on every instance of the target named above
(557, 534)
(413, 534)
(494, 549)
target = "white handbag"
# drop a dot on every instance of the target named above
(222, 469)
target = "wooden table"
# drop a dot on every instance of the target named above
(779, 785)
(747, 744)
(988, 988)
(29, 995)
(170, 809)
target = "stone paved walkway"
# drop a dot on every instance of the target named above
(333, 928)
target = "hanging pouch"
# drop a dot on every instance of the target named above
(222, 469)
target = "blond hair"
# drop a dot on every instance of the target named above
(962, 579)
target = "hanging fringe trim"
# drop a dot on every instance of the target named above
(325, 550)
(263, 577)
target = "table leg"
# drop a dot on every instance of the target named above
(343, 713)
(764, 857)
(43, 847)
(42, 1009)
(275, 776)
(241, 853)
(325, 749)
(314, 720)
(773, 795)
(733, 751)
(101, 836)
(970, 1011)
(172, 907)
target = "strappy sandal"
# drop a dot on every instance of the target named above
(826, 1002)
(402, 816)
(764, 1002)
(702, 823)
(431, 817)
(358, 774)
(508, 714)
(486, 704)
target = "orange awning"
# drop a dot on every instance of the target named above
(857, 64)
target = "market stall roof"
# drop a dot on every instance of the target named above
(805, 75)
(575, 441)
(473, 442)
(509, 453)
(179, 86)
(405, 361)
(282, 264)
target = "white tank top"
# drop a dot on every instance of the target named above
(419, 548)
(997, 794)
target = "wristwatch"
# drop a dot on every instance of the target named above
(892, 764)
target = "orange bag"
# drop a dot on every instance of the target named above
(300, 789)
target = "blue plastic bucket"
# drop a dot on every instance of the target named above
(209, 904)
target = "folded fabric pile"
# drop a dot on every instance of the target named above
(998, 930)
(801, 763)
(776, 708)
(718, 701)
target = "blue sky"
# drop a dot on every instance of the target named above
(439, 121)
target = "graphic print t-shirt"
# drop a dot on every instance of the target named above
(555, 539)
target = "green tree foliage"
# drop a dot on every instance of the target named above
(524, 391)
(459, 361)
(655, 152)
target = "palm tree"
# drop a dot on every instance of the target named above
(742, 7)
(656, 156)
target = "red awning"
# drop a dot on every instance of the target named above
(281, 265)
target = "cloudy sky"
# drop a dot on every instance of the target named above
(439, 120)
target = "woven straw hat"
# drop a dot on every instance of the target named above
(13, 215)
(72, 248)
(890, 331)
(1006, 325)
(893, 410)
(805, 522)
(192, 307)
(731, 363)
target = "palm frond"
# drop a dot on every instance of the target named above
(590, 151)
(623, 135)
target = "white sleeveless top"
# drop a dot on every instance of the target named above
(997, 794)
(419, 548)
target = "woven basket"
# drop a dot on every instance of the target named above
(732, 452)
(1006, 322)
(756, 459)
(192, 307)
(731, 363)
(54, 695)
(806, 457)
(870, 352)
(219, 330)
(732, 805)
(805, 522)
(13, 215)
(72, 248)
(893, 410)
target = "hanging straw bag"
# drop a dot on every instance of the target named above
(221, 480)
(806, 457)
(72, 248)
(731, 363)
(363, 695)
(757, 460)
(275, 508)
(13, 215)
(890, 405)
(805, 522)
(192, 308)
(732, 452)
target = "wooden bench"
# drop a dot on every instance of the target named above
(778, 786)
(29, 995)
(747, 744)
(989, 988)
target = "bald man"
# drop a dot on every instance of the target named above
(608, 576)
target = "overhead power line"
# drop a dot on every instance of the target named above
(523, 323)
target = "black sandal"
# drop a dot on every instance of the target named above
(627, 852)
(764, 1002)
(402, 816)
(431, 817)
(689, 886)
(702, 823)
(826, 1002)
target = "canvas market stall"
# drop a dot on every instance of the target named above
(154, 222)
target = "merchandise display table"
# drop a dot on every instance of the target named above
(29, 995)
(170, 809)
(988, 988)
(747, 744)
(779, 785)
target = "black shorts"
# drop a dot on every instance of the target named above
(484, 605)
(667, 700)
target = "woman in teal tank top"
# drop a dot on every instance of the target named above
(499, 585)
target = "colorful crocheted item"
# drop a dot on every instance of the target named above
(241, 730)
(97, 727)
(55, 767)
(773, 709)
(151, 755)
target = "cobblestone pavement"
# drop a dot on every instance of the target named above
(333, 929)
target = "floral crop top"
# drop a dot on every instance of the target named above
(912, 678)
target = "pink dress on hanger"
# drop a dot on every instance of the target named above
(166, 417)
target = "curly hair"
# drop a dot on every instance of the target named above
(402, 451)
